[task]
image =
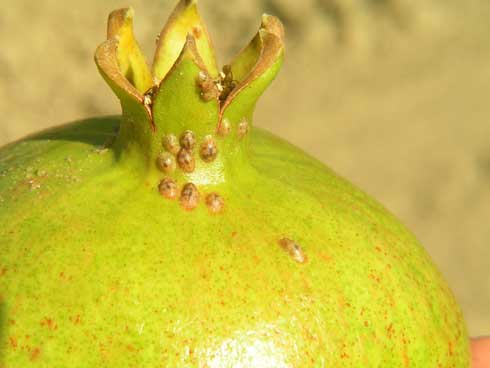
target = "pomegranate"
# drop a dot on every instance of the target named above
(178, 235)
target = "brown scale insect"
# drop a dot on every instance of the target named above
(189, 196)
(166, 162)
(171, 143)
(208, 150)
(168, 188)
(293, 249)
(242, 129)
(185, 160)
(149, 94)
(207, 85)
(224, 127)
(227, 82)
(187, 140)
(214, 202)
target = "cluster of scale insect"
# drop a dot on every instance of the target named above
(180, 153)
(216, 88)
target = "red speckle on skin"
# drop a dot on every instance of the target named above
(389, 330)
(325, 257)
(374, 277)
(378, 248)
(13, 342)
(450, 348)
(406, 360)
(344, 355)
(35, 353)
(12, 322)
(49, 323)
(233, 234)
(3, 271)
(75, 319)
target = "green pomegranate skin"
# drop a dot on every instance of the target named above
(99, 270)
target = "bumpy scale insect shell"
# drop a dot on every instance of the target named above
(171, 143)
(215, 202)
(187, 140)
(208, 150)
(189, 196)
(186, 161)
(166, 162)
(168, 188)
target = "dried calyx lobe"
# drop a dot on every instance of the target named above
(184, 90)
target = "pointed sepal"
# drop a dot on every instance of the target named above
(122, 65)
(254, 69)
(184, 20)
(131, 60)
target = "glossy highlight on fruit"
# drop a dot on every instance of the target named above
(179, 235)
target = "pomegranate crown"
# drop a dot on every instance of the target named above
(184, 63)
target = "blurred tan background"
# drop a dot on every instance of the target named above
(392, 94)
